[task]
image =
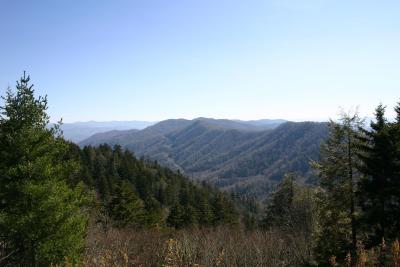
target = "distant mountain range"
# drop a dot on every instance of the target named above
(248, 157)
(79, 131)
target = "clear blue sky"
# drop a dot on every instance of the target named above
(152, 60)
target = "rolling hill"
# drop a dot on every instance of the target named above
(79, 131)
(245, 157)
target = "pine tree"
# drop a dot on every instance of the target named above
(291, 208)
(223, 209)
(176, 218)
(205, 213)
(126, 208)
(395, 133)
(40, 218)
(280, 205)
(377, 194)
(338, 177)
(153, 216)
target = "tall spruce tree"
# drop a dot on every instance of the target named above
(40, 218)
(291, 208)
(379, 189)
(280, 206)
(338, 177)
(126, 208)
(395, 132)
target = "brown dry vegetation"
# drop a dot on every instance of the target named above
(195, 247)
(383, 255)
(220, 246)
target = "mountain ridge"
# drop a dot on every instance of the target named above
(79, 131)
(232, 155)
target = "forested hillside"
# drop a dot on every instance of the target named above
(144, 194)
(243, 157)
(63, 205)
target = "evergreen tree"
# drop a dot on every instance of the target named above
(291, 208)
(40, 218)
(154, 213)
(379, 189)
(395, 132)
(205, 213)
(191, 215)
(280, 205)
(126, 208)
(177, 217)
(223, 209)
(337, 177)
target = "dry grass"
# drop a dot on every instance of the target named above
(220, 246)
(194, 247)
(377, 256)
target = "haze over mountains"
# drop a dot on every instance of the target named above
(248, 157)
(79, 131)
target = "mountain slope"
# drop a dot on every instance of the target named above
(234, 155)
(78, 131)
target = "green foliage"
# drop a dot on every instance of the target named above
(40, 217)
(223, 210)
(291, 207)
(359, 175)
(153, 213)
(179, 217)
(141, 193)
(249, 209)
(338, 177)
(125, 206)
(379, 190)
(280, 206)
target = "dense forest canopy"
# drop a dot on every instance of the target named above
(128, 185)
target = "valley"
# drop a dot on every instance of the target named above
(244, 157)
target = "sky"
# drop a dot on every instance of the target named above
(153, 60)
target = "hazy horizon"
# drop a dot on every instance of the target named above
(248, 60)
(155, 121)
